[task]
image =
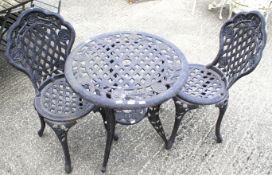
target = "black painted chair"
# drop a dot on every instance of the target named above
(38, 45)
(242, 40)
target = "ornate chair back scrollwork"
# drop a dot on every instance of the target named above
(38, 45)
(242, 40)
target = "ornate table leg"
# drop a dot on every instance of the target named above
(110, 121)
(61, 129)
(154, 119)
(103, 114)
(181, 109)
(222, 109)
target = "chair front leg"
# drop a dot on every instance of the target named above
(222, 109)
(40, 132)
(181, 109)
(154, 119)
(61, 129)
(110, 121)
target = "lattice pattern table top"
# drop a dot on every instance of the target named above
(126, 70)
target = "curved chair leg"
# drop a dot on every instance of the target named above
(40, 132)
(181, 110)
(154, 119)
(61, 129)
(110, 120)
(103, 114)
(222, 109)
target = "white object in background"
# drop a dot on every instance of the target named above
(236, 6)
(220, 4)
(263, 6)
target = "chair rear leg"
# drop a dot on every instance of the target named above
(61, 129)
(222, 109)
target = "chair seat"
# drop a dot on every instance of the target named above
(204, 86)
(58, 102)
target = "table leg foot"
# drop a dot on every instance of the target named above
(115, 137)
(68, 168)
(168, 145)
(103, 169)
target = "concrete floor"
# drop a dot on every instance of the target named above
(246, 128)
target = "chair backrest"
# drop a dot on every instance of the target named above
(38, 44)
(242, 40)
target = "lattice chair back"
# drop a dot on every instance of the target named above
(242, 41)
(38, 44)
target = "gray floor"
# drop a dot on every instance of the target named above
(247, 126)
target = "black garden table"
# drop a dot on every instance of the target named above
(127, 75)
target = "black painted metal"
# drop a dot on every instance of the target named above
(126, 70)
(38, 44)
(204, 85)
(58, 102)
(242, 40)
(154, 119)
(110, 123)
(128, 75)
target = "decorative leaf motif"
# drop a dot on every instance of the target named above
(17, 54)
(228, 32)
(64, 35)
(32, 19)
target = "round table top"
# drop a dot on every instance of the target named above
(126, 70)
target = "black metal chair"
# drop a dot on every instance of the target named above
(38, 45)
(242, 40)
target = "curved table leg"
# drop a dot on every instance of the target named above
(110, 120)
(154, 119)
(103, 114)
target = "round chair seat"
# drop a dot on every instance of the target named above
(204, 86)
(58, 102)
